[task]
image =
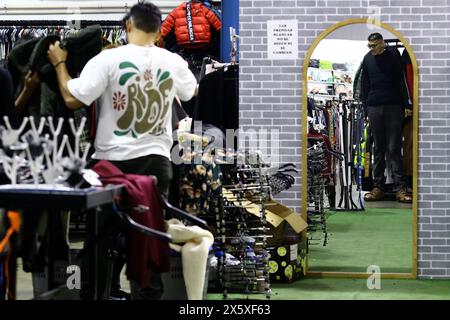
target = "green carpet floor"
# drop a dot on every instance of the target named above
(376, 236)
(353, 289)
(381, 237)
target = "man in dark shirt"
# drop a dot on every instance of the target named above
(383, 94)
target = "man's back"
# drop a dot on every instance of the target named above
(136, 86)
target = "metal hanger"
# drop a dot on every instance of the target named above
(141, 228)
(183, 214)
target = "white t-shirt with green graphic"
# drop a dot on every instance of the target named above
(136, 86)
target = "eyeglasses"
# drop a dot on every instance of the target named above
(371, 46)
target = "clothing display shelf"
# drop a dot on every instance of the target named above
(238, 218)
(242, 231)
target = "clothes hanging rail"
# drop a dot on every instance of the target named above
(58, 23)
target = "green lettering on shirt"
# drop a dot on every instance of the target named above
(147, 102)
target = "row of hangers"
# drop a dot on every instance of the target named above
(13, 31)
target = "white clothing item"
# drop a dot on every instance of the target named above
(230, 260)
(194, 254)
(136, 86)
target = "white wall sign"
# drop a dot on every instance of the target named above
(282, 39)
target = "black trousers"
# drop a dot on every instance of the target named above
(386, 123)
(154, 165)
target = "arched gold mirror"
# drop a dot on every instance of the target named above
(350, 148)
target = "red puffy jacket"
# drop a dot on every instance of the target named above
(202, 18)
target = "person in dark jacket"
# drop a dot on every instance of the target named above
(383, 93)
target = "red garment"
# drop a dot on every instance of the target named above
(202, 20)
(145, 254)
(409, 72)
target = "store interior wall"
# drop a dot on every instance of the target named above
(270, 96)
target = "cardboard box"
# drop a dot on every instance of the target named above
(283, 222)
(287, 263)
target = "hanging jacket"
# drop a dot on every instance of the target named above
(6, 275)
(143, 204)
(409, 74)
(192, 22)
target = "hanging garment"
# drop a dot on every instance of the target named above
(145, 255)
(409, 73)
(193, 242)
(7, 283)
(7, 98)
(192, 22)
(407, 130)
(218, 99)
(314, 136)
(199, 186)
(367, 180)
(18, 60)
(47, 100)
(357, 83)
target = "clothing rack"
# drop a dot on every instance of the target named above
(58, 23)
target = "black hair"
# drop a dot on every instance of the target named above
(145, 16)
(375, 36)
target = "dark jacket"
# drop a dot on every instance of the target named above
(396, 90)
(7, 98)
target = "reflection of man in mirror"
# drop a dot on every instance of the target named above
(383, 93)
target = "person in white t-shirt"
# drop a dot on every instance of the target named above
(136, 85)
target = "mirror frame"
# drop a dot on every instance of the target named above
(323, 35)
